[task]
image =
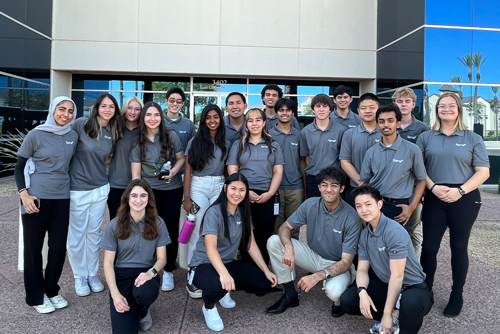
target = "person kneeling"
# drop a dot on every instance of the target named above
(333, 230)
(227, 227)
(388, 269)
(134, 251)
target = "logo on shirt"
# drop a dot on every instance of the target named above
(377, 140)
(337, 231)
(263, 146)
(411, 137)
(295, 144)
(381, 249)
(238, 222)
(460, 144)
(332, 140)
(352, 126)
(394, 160)
(107, 137)
(182, 131)
(69, 142)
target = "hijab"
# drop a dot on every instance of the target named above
(50, 124)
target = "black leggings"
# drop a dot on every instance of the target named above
(114, 198)
(139, 299)
(53, 218)
(263, 220)
(416, 301)
(168, 204)
(246, 276)
(459, 218)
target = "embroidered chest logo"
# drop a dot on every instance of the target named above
(332, 140)
(238, 222)
(337, 231)
(411, 137)
(263, 146)
(399, 161)
(294, 144)
(107, 137)
(352, 126)
(381, 249)
(69, 142)
(460, 144)
(377, 140)
(182, 131)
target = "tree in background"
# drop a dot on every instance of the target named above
(495, 108)
(457, 78)
(477, 61)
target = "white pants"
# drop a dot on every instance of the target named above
(309, 260)
(84, 234)
(204, 191)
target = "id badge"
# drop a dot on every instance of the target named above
(276, 209)
(191, 276)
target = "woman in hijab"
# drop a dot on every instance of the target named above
(43, 183)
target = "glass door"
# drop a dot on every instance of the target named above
(201, 100)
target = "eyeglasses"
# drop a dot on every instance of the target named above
(444, 106)
(325, 186)
(172, 101)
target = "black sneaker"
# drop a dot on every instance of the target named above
(193, 291)
(337, 311)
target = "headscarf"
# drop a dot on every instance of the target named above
(50, 124)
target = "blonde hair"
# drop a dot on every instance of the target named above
(130, 99)
(459, 123)
(400, 92)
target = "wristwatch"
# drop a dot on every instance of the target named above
(361, 288)
(327, 274)
(461, 191)
(153, 270)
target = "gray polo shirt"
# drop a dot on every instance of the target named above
(393, 169)
(451, 159)
(289, 143)
(412, 131)
(88, 167)
(213, 223)
(120, 173)
(352, 119)
(183, 127)
(390, 242)
(152, 153)
(322, 147)
(231, 133)
(273, 121)
(328, 233)
(256, 163)
(355, 142)
(135, 251)
(215, 166)
(51, 155)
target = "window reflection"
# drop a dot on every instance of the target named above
(456, 12)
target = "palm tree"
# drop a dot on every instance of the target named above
(468, 62)
(494, 108)
(477, 62)
(457, 78)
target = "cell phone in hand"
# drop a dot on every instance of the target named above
(196, 207)
(23, 209)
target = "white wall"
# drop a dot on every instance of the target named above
(280, 38)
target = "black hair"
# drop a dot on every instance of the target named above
(340, 90)
(236, 93)
(93, 126)
(388, 108)
(322, 99)
(244, 208)
(368, 96)
(175, 90)
(245, 135)
(202, 147)
(272, 87)
(333, 173)
(291, 104)
(366, 190)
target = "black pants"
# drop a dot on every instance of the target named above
(53, 218)
(139, 299)
(390, 210)
(459, 218)
(263, 219)
(114, 198)
(348, 196)
(168, 204)
(312, 189)
(416, 301)
(246, 276)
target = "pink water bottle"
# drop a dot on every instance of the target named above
(187, 229)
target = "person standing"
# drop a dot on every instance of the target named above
(236, 104)
(89, 190)
(184, 127)
(45, 155)
(342, 114)
(457, 164)
(270, 95)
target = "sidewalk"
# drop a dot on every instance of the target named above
(175, 312)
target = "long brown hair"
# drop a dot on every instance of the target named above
(151, 219)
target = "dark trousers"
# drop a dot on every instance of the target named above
(348, 196)
(390, 210)
(246, 276)
(53, 218)
(312, 189)
(114, 199)
(168, 204)
(459, 218)
(416, 301)
(263, 220)
(139, 299)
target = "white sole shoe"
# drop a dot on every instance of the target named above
(59, 302)
(168, 282)
(212, 319)
(46, 307)
(227, 301)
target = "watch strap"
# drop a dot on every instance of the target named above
(153, 270)
(361, 288)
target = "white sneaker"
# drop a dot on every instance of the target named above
(168, 281)
(145, 323)
(46, 307)
(227, 301)
(212, 319)
(95, 284)
(58, 301)
(82, 287)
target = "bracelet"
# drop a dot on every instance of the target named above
(21, 190)
(432, 187)
(115, 295)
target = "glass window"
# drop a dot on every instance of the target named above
(486, 53)
(449, 12)
(486, 13)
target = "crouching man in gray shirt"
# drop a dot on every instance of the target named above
(390, 284)
(333, 230)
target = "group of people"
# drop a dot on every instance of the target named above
(355, 179)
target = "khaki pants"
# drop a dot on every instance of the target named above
(309, 260)
(416, 233)
(290, 200)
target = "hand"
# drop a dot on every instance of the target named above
(263, 198)
(440, 191)
(253, 196)
(386, 324)
(121, 304)
(289, 256)
(143, 278)
(227, 282)
(308, 282)
(272, 277)
(403, 217)
(169, 177)
(188, 205)
(29, 202)
(361, 183)
(451, 196)
(365, 302)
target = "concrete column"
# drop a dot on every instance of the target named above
(60, 84)
(367, 86)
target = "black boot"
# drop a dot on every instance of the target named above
(454, 304)
(337, 311)
(281, 305)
